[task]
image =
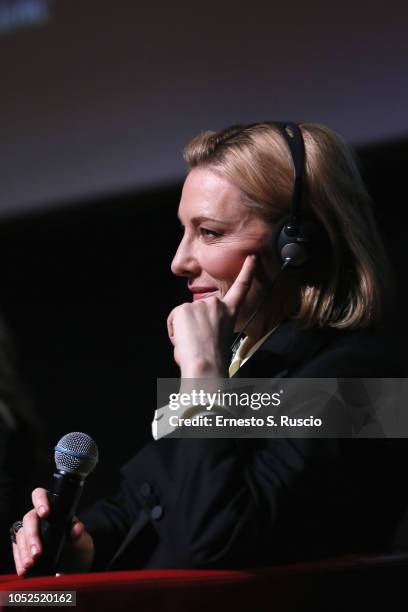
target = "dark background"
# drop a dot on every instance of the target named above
(96, 105)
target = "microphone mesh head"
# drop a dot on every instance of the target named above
(77, 453)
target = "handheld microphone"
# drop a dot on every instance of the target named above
(76, 455)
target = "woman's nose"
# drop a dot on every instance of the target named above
(185, 262)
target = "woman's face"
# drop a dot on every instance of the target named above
(219, 232)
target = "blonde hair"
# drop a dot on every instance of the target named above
(349, 289)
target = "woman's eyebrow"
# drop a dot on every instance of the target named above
(201, 218)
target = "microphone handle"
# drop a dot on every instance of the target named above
(64, 498)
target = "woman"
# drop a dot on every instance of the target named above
(306, 297)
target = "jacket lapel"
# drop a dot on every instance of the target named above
(140, 522)
(284, 351)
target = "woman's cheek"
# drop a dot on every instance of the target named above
(223, 266)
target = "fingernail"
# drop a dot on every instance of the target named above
(77, 529)
(42, 510)
(34, 551)
(26, 562)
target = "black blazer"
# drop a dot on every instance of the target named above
(229, 503)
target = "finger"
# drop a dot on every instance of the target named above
(32, 533)
(239, 288)
(174, 317)
(41, 502)
(77, 529)
(170, 329)
(19, 568)
(26, 559)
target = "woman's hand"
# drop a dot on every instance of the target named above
(201, 331)
(78, 552)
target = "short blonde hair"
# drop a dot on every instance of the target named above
(350, 290)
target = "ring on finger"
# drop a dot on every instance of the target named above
(16, 526)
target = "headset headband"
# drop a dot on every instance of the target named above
(293, 137)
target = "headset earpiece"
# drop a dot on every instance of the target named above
(291, 252)
(296, 237)
(297, 243)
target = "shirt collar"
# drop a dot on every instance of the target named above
(243, 353)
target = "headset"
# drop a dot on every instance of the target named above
(296, 238)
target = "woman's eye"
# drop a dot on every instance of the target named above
(207, 233)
